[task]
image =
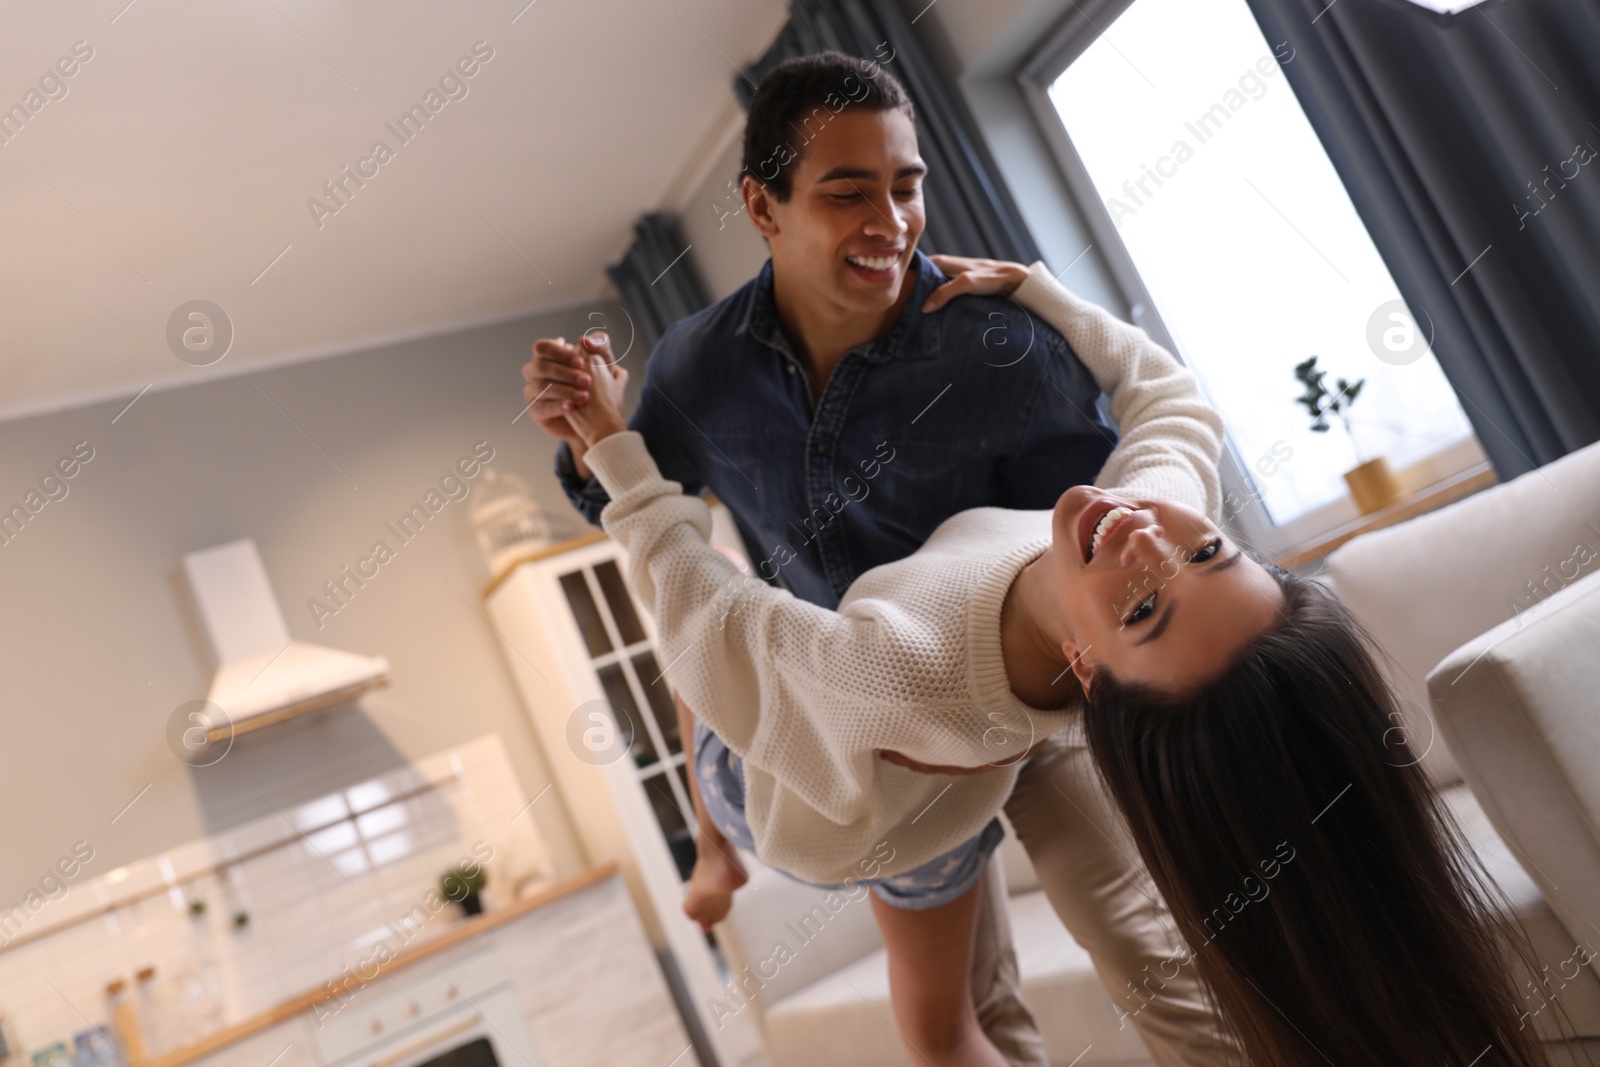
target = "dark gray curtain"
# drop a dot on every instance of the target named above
(1470, 148)
(970, 212)
(656, 280)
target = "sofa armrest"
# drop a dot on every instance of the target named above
(1427, 585)
(1520, 706)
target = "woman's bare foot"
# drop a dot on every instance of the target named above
(717, 873)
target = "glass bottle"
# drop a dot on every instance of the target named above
(152, 1012)
(124, 1012)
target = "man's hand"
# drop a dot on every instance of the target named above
(601, 415)
(983, 277)
(556, 380)
(900, 760)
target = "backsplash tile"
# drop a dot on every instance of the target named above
(316, 906)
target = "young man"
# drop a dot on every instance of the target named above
(842, 406)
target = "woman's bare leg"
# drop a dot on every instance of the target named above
(930, 981)
(717, 870)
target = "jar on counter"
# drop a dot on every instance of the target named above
(52, 1056)
(92, 1048)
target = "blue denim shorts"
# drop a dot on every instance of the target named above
(939, 881)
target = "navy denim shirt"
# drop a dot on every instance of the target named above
(978, 404)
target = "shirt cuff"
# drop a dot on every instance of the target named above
(622, 462)
(567, 469)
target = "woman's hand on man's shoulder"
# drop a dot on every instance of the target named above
(977, 277)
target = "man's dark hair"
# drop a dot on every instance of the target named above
(800, 96)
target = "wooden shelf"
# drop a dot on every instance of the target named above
(467, 928)
(1426, 499)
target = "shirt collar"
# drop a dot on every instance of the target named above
(912, 336)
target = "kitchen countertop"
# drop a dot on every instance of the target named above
(468, 928)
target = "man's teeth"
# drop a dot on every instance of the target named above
(1108, 520)
(873, 262)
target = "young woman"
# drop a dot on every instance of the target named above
(1228, 704)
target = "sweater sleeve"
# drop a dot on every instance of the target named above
(1169, 436)
(761, 667)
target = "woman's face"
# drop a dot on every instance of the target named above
(1165, 599)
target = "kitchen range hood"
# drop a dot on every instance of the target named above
(263, 676)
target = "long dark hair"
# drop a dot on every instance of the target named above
(1334, 911)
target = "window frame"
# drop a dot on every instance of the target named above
(1249, 522)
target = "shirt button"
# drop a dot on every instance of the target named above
(821, 449)
(789, 367)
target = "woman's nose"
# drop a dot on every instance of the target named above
(1147, 545)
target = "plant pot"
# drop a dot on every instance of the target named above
(472, 904)
(1373, 485)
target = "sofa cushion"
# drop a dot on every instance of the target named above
(1426, 586)
(844, 1019)
(1519, 707)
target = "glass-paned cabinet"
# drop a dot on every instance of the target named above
(586, 661)
(642, 708)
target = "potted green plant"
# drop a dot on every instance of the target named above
(1372, 482)
(463, 884)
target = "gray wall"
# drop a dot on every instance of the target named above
(100, 640)
(727, 249)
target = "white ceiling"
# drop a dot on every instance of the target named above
(179, 164)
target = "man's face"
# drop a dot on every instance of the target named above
(854, 212)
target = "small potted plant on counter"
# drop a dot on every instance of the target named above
(1372, 482)
(463, 884)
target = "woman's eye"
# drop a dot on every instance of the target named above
(1142, 612)
(1207, 553)
(842, 197)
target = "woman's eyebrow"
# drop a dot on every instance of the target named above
(1238, 554)
(1172, 605)
(1160, 624)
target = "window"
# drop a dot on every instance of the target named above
(1235, 242)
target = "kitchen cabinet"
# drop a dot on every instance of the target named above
(567, 981)
(590, 986)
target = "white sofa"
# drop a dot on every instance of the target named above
(1516, 707)
(1490, 609)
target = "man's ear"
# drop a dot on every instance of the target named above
(1082, 669)
(758, 201)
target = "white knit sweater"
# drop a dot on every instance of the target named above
(911, 660)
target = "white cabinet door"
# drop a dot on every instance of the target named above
(590, 986)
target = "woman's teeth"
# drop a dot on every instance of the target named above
(872, 262)
(1108, 520)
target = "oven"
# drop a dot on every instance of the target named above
(462, 1015)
